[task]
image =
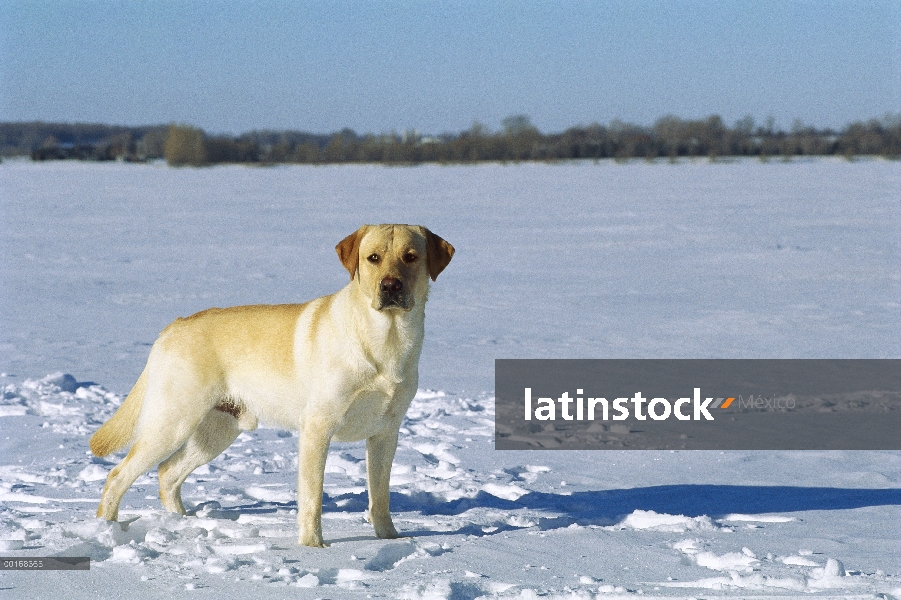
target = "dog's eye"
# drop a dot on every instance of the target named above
(409, 257)
(373, 258)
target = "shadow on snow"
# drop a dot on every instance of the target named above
(608, 507)
(687, 500)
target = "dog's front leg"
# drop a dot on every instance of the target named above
(380, 451)
(311, 456)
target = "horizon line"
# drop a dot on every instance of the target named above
(768, 122)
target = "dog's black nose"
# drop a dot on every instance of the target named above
(391, 285)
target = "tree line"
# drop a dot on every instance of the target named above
(517, 140)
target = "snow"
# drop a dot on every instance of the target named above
(576, 260)
(648, 519)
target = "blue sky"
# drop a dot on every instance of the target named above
(232, 66)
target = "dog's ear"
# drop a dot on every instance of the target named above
(438, 253)
(348, 251)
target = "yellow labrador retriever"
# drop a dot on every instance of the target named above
(342, 367)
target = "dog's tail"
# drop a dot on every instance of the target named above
(120, 429)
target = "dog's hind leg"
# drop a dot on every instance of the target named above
(214, 434)
(143, 456)
(160, 435)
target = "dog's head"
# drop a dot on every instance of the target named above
(393, 263)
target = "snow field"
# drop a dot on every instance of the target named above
(472, 532)
(574, 260)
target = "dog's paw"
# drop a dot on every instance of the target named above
(314, 541)
(105, 512)
(385, 530)
(311, 536)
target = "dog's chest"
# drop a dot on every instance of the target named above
(374, 408)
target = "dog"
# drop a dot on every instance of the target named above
(342, 367)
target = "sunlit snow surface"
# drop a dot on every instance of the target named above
(572, 261)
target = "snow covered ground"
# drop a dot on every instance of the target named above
(576, 260)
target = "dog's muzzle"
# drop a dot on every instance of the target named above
(393, 295)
